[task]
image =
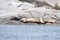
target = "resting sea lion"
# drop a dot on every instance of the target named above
(31, 20)
(50, 21)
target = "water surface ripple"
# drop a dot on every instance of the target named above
(29, 32)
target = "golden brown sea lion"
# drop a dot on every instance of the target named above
(50, 21)
(23, 20)
(31, 20)
(41, 20)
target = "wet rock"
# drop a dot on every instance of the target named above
(15, 18)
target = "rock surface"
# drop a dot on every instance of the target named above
(52, 2)
(10, 8)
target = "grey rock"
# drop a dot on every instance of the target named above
(43, 12)
(9, 9)
(53, 2)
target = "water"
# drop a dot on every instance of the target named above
(29, 32)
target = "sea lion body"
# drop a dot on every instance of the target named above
(32, 20)
(23, 20)
(29, 20)
(40, 21)
(50, 21)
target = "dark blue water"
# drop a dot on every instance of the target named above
(29, 32)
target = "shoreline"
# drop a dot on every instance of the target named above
(11, 9)
(13, 22)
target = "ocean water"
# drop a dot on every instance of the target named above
(29, 32)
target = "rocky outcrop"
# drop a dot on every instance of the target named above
(53, 2)
(42, 12)
(18, 10)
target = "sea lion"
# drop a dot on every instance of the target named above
(50, 21)
(23, 20)
(41, 20)
(31, 20)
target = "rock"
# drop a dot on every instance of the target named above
(15, 18)
(26, 6)
(22, 5)
(15, 10)
(57, 6)
(43, 3)
(50, 3)
(44, 13)
(10, 8)
(53, 2)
